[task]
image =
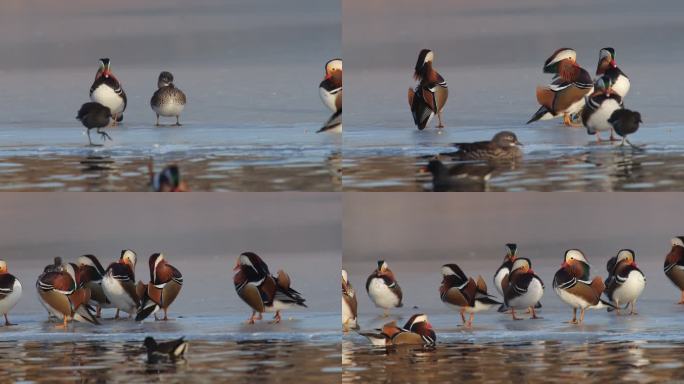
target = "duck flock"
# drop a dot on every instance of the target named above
(520, 288)
(597, 104)
(108, 100)
(79, 291)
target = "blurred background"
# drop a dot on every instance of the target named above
(476, 226)
(238, 61)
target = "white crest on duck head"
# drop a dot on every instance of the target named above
(560, 55)
(677, 241)
(575, 254)
(625, 254)
(129, 256)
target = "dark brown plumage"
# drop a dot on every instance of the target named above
(504, 146)
(94, 115)
(625, 122)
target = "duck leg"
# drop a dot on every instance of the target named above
(574, 316)
(439, 120)
(276, 318)
(633, 311)
(470, 320)
(463, 315)
(681, 301)
(157, 120)
(612, 137)
(116, 317)
(90, 142)
(7, 322)
(251, 318)
(566, 119)
(64, 324)
(99, 310)
(513, 314)
(178, 121)
(104, 135)
(534, 313)
(581, 320)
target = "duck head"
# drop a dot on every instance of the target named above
(165, 79)
(606, 60)
(169, 180)
(129, 258)
(522, 265)
(90, 261)
(252, 264)
(419, 324)
(563, 55)
(511, 252)
(104, 69)
(627, 256)
(333, 68)
(3, 267)
(506, 139)
(424, 63)
(156, 260)
(345, 282)
(576, 264)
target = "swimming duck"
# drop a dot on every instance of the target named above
(431, 93)
(625, 122)
(93, 269)
(349, 305)
(383, 288)
(167, 100)
(260, 290)
(416, 331)
(522, 288)
(625, 281)
(600, 107)
(607, 66)
(10, 291)
(107, 91)
(504, 146)
(457, 290)
(330, 90)
(169, 350)
(65, 295)
(94, 115)
(167, 180)
(165, 284)
(565, 95)
(119, 284)
(674, 264)
(571, 283)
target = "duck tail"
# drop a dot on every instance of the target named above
(84, 314)
(147, 308)
(541, 112)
